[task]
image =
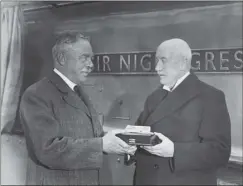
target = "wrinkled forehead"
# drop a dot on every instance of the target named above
(81, 46)
(164, 52)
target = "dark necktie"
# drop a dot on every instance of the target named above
(76, 90)
(98, 131)
(84, 97)
(166, 92)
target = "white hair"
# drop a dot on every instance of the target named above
(178, 48)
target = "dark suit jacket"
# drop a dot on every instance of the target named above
(195, 117)
(63, 136)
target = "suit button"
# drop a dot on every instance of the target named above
(156, 166)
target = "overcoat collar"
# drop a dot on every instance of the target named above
(185, 91)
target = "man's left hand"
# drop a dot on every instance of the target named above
(164, 149)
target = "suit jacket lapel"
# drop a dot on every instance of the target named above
(73, 100)
(98, 130)
(187, 90)
(159, 96)
(68, 95)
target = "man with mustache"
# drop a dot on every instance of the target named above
(191, 119)
(65, 141)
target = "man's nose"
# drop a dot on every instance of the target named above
(90, 63)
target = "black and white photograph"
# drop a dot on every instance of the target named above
(121, 92)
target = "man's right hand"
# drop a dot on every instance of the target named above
(114, 145)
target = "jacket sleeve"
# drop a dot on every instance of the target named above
(54, 151)
(214, 148)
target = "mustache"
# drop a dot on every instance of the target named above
(90, 68)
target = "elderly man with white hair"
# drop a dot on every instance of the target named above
(192, 120)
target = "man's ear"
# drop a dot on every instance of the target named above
(61, 58)
(183, 64)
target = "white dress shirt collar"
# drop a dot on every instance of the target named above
(65, 79)
(177, 83)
